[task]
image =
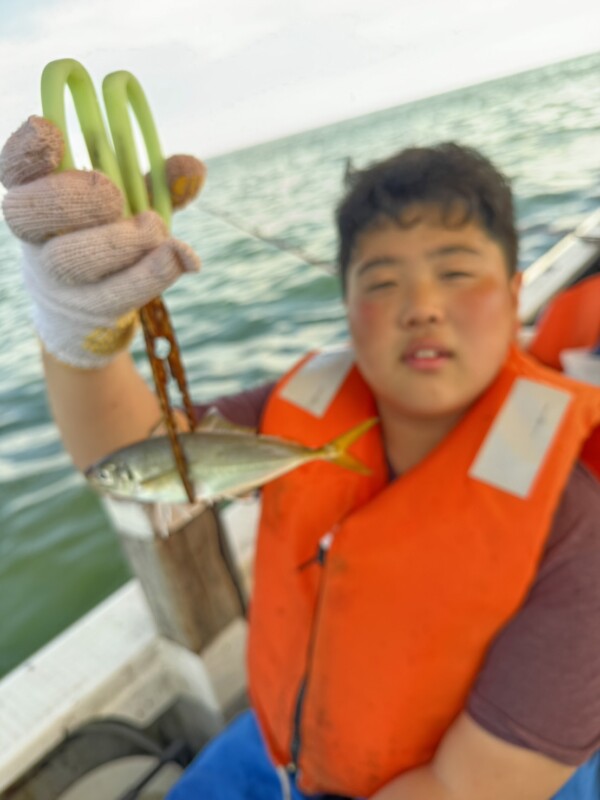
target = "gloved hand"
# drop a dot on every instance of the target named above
(87, 268)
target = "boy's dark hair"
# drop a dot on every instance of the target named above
(457, 181)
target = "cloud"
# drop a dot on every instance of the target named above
(146, 33)
(219, 75)
(216, 29)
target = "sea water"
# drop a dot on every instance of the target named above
(254, 309)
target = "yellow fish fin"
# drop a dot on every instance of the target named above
(336, 451)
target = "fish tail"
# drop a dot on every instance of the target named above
(336, 451)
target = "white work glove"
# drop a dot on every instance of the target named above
(86, 268)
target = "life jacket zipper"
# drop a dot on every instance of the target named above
(295, 744)
(320, 558)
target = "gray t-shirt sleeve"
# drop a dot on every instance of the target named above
(244, 408)
(540, 684)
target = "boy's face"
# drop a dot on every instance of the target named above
(432, 311)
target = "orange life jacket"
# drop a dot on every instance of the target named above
(571, 319)
(360, 660)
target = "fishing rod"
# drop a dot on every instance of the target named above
(256, 233)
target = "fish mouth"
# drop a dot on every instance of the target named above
(90, 473)
(92, 476)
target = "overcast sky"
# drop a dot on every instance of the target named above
(220, 74)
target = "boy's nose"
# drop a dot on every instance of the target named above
(421, 305)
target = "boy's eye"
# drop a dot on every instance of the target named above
(455, 273)
(373, 287)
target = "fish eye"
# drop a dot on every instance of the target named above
(104, 474)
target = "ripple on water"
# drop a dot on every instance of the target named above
(253, 309)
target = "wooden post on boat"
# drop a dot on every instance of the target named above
(181, 556)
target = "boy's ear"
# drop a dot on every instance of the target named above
(516, 281)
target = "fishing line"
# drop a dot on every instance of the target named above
(278, 244)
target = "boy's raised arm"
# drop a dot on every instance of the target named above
(87, 270)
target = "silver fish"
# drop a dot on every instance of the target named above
(223, 462)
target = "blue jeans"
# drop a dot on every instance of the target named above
(235, 766)
(584, 784)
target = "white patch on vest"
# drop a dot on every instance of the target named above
(315, 385)
(516, 444)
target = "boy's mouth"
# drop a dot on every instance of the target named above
(426, 355)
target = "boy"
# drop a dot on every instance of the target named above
(427, 632)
